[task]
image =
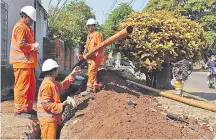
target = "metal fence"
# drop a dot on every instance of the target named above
(4, 32)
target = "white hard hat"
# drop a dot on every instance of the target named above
(49, 64)
(29, 11)
(91, 21)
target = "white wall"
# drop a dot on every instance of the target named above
(40, 30)
(41, 27)
(45, 33)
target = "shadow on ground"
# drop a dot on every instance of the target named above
(206, 95)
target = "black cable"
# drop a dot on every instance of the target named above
(112, 6)
(49, 3)
(55, 10)
(59, 12)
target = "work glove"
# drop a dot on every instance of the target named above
(36, 46)
(72, 75)
(75, 71)
(69, 101)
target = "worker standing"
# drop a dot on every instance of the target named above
(94, 38)
(49, 106)
(23, 57)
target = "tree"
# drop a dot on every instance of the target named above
(116, 16)
(71, 23)
(160, 38)
(203, 11)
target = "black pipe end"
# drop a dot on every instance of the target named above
(129, 29)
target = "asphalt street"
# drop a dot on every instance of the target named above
(197, 85)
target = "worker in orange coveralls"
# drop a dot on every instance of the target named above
(94, 38)
(23, 57)
(49, 106)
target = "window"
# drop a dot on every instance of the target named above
(4, 32)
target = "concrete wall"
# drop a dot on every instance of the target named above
(67, 58)
(49, 49)
(40, 33)
(61, 59)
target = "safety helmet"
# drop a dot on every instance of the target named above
(49, 64)
(91, 21)
(29, 11)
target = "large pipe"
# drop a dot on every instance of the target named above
(123, 33)
(177, 98)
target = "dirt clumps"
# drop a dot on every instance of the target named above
(120, 111)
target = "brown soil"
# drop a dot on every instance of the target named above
(107, 114)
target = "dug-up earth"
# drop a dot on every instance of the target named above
(123, 111)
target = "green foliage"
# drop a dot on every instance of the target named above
(203, 11)
(116, 16)
(71, 23)
(161, 36)
(162, 5)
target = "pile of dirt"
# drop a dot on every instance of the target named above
(200, 116)
(121, 111)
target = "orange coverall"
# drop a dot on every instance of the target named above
(49, 106)
(93, 39)
(24, 60)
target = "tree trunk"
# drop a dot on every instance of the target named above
(159, 79)
(163, 77)
(151, 79)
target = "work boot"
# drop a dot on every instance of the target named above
(29, 114)
(97, 87)
(23, 115)
(84, 93)
(32, 112)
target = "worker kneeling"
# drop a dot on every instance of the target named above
(49, 106)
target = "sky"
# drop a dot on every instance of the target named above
(101, 7)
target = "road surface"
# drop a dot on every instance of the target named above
(197, 85)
